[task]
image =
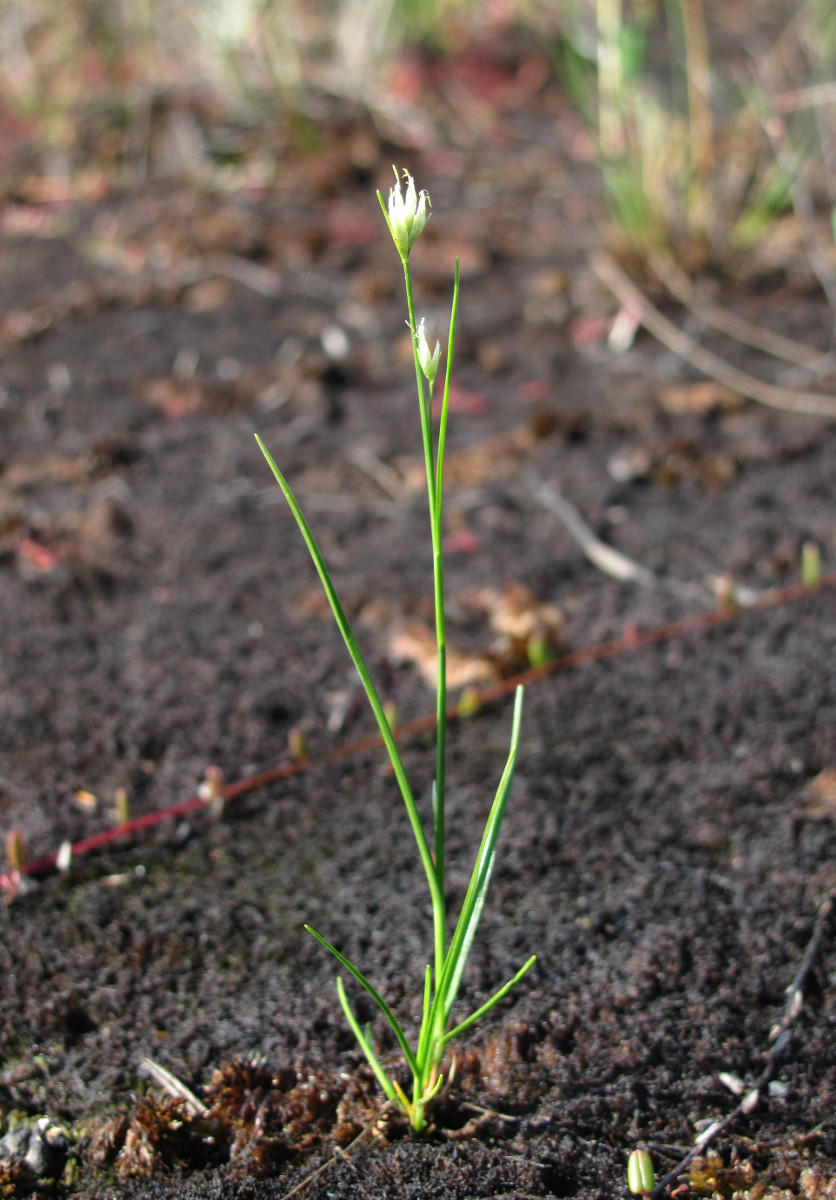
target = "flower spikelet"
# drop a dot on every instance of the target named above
(407, 213)
(427, 359)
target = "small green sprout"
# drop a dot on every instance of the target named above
(212, 790)
(539, 651)
(810, 564)
(297, 744)
(121, 806)
(406, 215)
(470, 701)
(641, 1179)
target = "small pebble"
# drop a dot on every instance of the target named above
(41, 1149)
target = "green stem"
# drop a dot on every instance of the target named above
(434, 500)
(440, 619)
(440, 722)
(445, 401)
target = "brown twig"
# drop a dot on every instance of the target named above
(634, 640)
(729, 323)
(603, 556)
(813, 96)
(623, 288)
(778, 1035)
(341, 1152)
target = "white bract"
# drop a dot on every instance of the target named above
(407, 213)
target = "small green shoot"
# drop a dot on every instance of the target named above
(810, 564)
(406, 214)
(121, 806)
(539, 651)
(641, 1179)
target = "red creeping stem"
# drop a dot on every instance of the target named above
(632, 641)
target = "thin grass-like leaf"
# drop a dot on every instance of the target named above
(404, 1101)
(480, 878)
(375, 995)
(365, 1045)
(434, 1090)
(426, 1026)
(440, 839)
(488, 1005)
(445, 400)
(366, 679)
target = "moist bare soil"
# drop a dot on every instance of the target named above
(670, 835)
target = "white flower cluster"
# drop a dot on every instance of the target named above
(408, 213)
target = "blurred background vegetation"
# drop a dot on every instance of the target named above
(90, 60)
(712, 121)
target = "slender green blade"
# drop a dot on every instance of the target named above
(380, 1075)
(480, 878)
(488, 1005)
(426, 1026)
(462, 949)
(440, 620)
(366, 679)
(375, 995)
(445, 401)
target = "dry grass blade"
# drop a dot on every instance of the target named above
(173, 1086)
(340, 1153)
(812, 96)
(779, 1037)
(606, 558)
(810, 403)
(732, 324)
(818, 254)
(603, 556)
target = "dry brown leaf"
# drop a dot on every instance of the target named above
(824, 786)
(494, 458)
(515, 612)
(415, 643)
(703, 397)
(823, 804)
(50, 468)
(549, 283)
(823, 789)
(177, 398)
(208, 295)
